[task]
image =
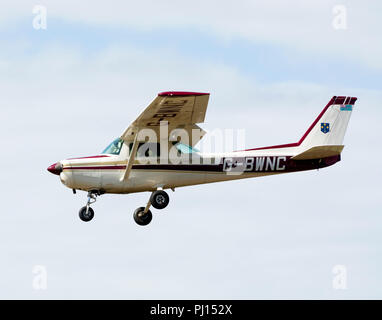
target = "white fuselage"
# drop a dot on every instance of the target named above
(104, 172)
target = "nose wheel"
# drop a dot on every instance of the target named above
(159, 200)
(86, 213)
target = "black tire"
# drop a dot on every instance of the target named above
(143, 219)
(86, 217)
(159, 199)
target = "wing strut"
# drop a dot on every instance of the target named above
(131, 159)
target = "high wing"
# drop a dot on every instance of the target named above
(181, 110)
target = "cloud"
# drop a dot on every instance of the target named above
(62, 80)
(296, 25)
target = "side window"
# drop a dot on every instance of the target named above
(184, 148)
(147, 149)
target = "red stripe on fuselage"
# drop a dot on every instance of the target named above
(181, 94)
(92, 157)
(95, 168)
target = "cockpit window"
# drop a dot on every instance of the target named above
(114, 147)
(184, 148)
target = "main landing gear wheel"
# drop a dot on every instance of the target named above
(86, 214)
(159, 199)
(142, 218)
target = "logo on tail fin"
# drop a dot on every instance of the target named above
(325, 127)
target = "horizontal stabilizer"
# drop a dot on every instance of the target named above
(319, 152)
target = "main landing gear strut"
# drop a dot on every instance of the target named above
(159, 200)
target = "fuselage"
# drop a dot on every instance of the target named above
(103, 172)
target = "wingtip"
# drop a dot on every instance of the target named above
(181, 94)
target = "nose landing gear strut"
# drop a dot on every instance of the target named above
(87, 213)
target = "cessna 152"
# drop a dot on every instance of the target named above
(139, 161)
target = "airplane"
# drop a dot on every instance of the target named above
(138, 161)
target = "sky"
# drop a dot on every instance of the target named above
(270, 66)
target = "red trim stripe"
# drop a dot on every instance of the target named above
(340, 100)
(92, 157)
(95, 168)
(181, 94)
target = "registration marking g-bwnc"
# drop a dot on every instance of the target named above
(255, 164)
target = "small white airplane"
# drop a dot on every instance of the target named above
(140, 161)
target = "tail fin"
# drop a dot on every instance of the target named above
(325, 136)
(330, 126)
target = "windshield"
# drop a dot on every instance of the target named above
(114, 147)
(183, 148)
